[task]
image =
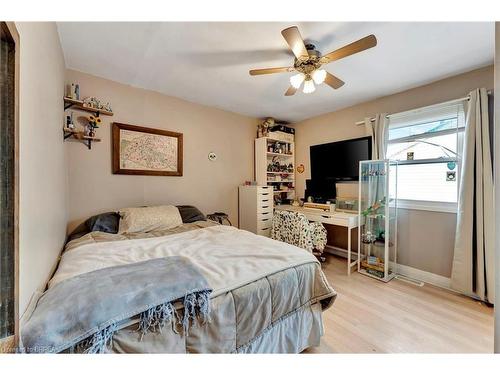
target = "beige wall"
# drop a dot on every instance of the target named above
(211, 186)
(425, 238)
(43, 171)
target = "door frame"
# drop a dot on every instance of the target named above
(9, 344)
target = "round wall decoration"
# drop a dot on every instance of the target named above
(212, 156)
(301, 168)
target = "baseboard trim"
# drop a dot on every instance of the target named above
(426, 277)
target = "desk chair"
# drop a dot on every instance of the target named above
(294, 229)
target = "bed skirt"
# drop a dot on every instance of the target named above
(293, 333)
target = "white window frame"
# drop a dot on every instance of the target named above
(410, 204)
(449, 207)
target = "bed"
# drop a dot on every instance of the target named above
(267, 296)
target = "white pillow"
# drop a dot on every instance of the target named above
(147, 219)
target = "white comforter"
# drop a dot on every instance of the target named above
(227, 257)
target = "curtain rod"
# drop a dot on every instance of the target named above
(422, 108)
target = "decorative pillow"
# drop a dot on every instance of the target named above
(147, 219)
(190, 214)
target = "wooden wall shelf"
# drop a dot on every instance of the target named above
(67, 133)
(78, 105)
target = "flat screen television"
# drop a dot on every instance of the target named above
(339, 161)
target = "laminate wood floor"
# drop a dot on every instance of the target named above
(370, 316)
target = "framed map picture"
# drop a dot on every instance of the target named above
(146, 151)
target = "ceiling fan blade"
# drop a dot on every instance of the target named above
(355, 47)
(291, 91)
(256, 72)
(296, 43)
(333, 81)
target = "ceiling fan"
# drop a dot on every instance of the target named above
(308, 62)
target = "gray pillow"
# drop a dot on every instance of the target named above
(190, 214)
(106, 222)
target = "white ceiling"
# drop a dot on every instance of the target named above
(208, 63)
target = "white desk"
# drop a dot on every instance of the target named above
(343, 219)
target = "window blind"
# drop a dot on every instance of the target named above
(428, 115)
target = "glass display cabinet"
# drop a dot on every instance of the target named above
(377, 232)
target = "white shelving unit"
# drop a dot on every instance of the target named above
(281, 181)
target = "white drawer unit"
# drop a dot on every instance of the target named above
(256, 209)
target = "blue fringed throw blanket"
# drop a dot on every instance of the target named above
(84, 312)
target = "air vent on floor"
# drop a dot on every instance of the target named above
(409, 280)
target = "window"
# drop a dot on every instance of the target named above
(428, 145)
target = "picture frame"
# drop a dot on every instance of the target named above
(139, 150)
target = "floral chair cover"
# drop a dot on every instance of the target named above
(294, 229)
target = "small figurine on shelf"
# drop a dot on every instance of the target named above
(73, 91)
(263, 129)
(274, 167)
(268, 123)
(368, 237)
(93, 123)
(107, 107)
(276, 148)
(69, 122)
(92, 102)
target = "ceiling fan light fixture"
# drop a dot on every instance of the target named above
(309, 87)
(308, 62)
(319, 76)
(297, 79)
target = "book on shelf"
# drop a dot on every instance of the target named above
(376, 273)
(373, 260)
(373, 266)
